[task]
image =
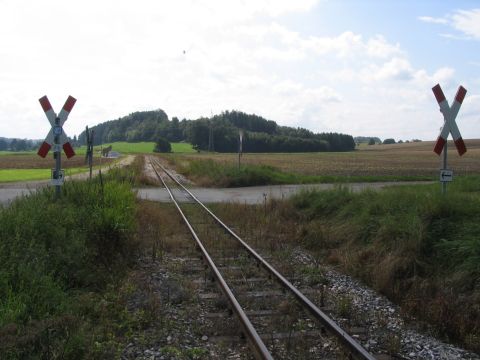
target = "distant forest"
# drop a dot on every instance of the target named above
(7, 144)
(367, 139)
(219, 133)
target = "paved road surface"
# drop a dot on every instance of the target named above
(255, 194)
(248, 195)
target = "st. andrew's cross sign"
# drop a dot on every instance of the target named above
(449, 116)
(57, 127)
(449, 127)
(57, 137)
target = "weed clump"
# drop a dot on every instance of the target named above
(52, 252)
(416, 246)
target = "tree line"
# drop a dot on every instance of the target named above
(219, 133)
(18, 144)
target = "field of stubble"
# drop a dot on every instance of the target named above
(412, 159)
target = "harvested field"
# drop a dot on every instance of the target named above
(33, 161)
(377, 160)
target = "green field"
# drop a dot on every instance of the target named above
(141, 147)
(182, 148)
(13, 175)
(122, 147)
(17, 152)
(28, 166)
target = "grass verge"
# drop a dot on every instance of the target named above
(416, 246)
(60, 265)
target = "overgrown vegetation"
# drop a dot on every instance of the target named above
(208, 172)
(60, 261)
(416, 246)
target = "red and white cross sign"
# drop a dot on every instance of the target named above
(56, 129)
(449, 115)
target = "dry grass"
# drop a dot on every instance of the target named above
(405, 272)
(377, 160)
(159, 228)
(33, 161)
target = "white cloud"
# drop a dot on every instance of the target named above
(379, 47)
(395, 69)
(468, 22)
(454, 36)
(192, 58)
(432, 20)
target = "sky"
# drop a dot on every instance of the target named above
(364, 68)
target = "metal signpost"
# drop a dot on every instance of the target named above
(240, 145)
(449, 126)
(89, 154)
(57, 137)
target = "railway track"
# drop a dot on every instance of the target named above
(277, 319)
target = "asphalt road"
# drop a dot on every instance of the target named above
(247, 195)
(255, 194)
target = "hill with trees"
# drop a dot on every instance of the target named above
(219, 133)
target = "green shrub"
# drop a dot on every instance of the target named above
(162, 145)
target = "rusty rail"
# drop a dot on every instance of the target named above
(356, 350)
(258, 346)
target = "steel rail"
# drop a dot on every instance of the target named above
(258, 346)
(357, 350)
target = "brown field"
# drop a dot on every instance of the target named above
(33, 161)
(377, 160)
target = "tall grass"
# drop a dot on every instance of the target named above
(411, 243)
(54, 252)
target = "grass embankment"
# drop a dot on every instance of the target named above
(416, 246)
(208, 172)
(60, 262)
